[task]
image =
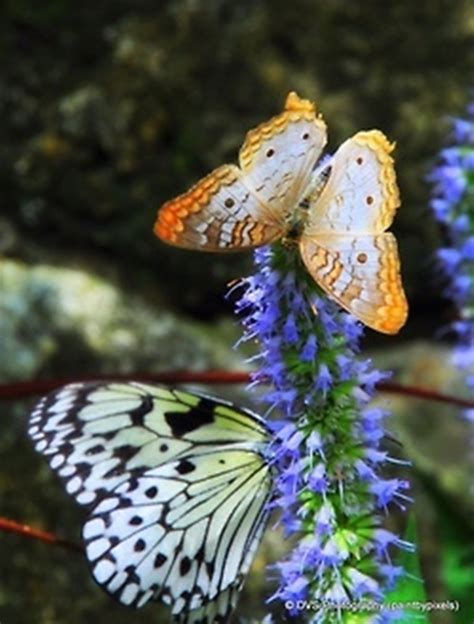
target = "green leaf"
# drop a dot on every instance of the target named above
(457, 566)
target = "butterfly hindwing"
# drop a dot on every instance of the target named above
(181, 531)
(362, 273)
(217, 611)
(176, 484)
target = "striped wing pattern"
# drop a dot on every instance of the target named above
(235, 208)
(176, 485)
(338, 215)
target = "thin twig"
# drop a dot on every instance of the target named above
(24, 389)
(424, 393)
(25, 530)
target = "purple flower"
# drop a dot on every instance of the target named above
(467, 249)
(308, 352)
(452, 206)
(290, 331)
(387, 490)
(391, 573)
(450, 259)
(324, 379)
(463, 130)
(317, 480)
(324, 519)
(325, 450)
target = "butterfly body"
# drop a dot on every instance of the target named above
(176, 485)
(338, 212)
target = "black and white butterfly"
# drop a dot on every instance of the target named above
(176, 485)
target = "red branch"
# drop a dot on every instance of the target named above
(23, 389)
(43, 536)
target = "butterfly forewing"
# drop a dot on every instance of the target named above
(361, 194)
(177, 485)
(219, 213)
(278, 156)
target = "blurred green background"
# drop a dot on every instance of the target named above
(108, 109)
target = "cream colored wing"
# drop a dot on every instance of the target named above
(362, 273)
(361, 194)
(236, 208)
(219, 213)
(278, 156)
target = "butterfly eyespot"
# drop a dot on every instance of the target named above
(369, 199)
(164, 448)
(359, 160)
(229, 202)
(221, 461)
(362, 258)
(305, 136)
(270, 152)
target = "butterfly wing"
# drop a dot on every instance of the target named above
(237, 208)
(277, 157)
(344, 246)
(219, 213)
(218, 611)
(361, 193)
(177, 487)
(362, 273)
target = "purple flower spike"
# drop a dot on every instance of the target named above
(453, 206)
(326, 445)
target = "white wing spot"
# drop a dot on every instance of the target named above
(107, 505)
(73, 485)
(97, 548)
(129, 594)
(145, 598)
(94, 527)
(57, 461)
(85, 498)
(104, 570)
(67, 471)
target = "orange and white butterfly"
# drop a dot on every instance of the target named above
(340, 210)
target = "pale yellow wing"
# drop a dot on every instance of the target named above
(361, 194)
(361, 273)
(236, 208)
